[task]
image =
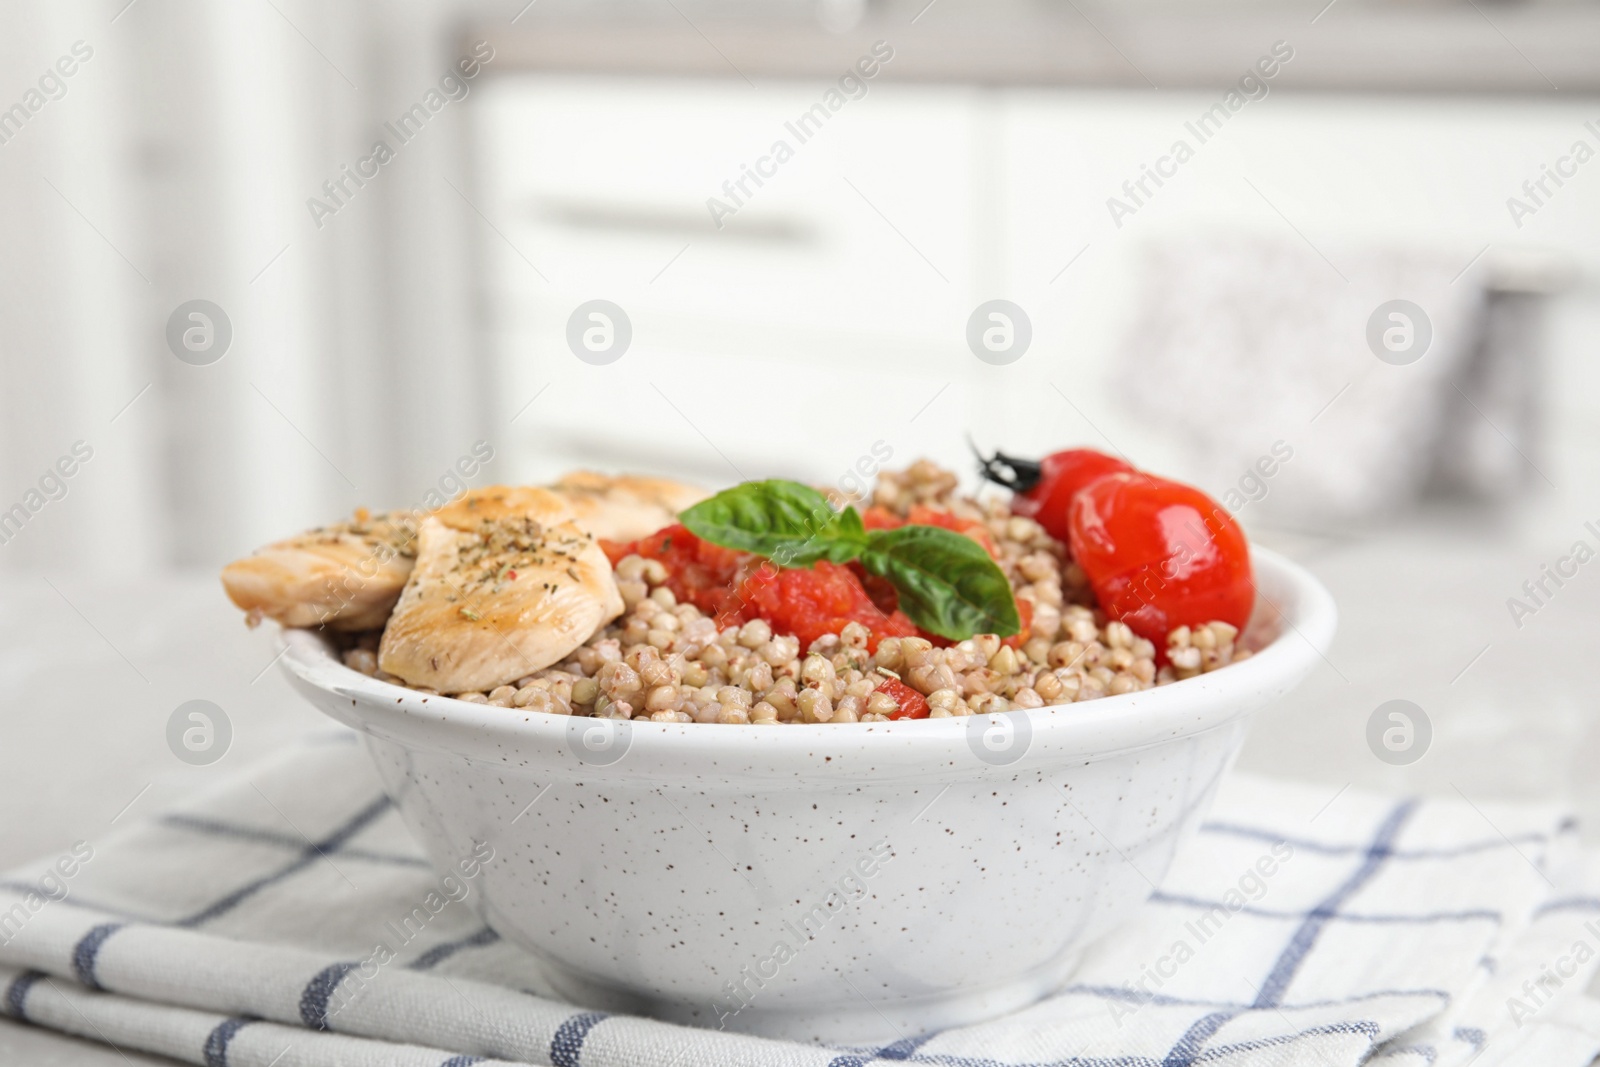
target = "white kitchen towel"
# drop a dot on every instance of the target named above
(1302, 925)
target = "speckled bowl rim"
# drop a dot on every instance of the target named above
(1290, 600)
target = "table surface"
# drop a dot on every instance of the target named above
(91, 671)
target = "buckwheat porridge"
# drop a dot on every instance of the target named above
(771, 603)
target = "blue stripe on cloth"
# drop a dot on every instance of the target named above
(74, 901)
(461, 1061)
(1277, 982)
(313, 851)
(1353, 1026)
(567, 1044)
(1569, 904)
(1187, 1050)
(1216, 1052)
(315, 996)
(905, 1048)
(87, 951)
(243, 833)
(17, 993)
(1324, 848)
(217, 1041)
(439, 953)
(392, 859)
(1471, 1035)
(1349, 917)
(218, 828)
(1140, 997)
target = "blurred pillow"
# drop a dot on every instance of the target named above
(1241, 344)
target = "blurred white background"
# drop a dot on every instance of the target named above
(371, 350)
(829, 313)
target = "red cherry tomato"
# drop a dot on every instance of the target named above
(1160, 555)
(1061, 476)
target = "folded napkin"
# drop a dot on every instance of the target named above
(286, 918)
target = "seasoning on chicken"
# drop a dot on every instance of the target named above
(496, 601)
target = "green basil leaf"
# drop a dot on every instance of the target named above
(791, 524)
(948, 585)
(850, 537)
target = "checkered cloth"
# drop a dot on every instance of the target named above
(1296, 928)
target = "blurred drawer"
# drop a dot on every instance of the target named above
(603, 185)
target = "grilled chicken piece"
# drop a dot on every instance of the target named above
(490, 603)
(495, 502)
(346, 576)
(625, 507)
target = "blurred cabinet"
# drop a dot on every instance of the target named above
(829, 312)
(822, 315)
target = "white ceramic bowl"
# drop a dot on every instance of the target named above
(832, 883)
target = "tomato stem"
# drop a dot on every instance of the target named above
(1016, 474)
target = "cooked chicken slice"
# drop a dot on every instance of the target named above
(495, 502)
(346, 576)
(493, 603)
(625, 507)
